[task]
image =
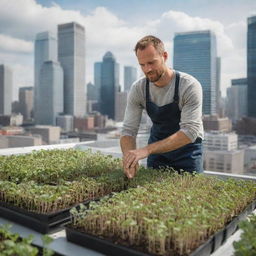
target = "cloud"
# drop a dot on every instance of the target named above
(10, 44)
(22, 20)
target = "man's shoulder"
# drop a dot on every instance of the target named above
(139, 82)
(187, 80)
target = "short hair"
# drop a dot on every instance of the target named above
(149, 40)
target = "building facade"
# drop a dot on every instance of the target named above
(6, 87)
(237, 99)
(51, 93)
(71, 55)
(26, 102)
(216, 123)
(251, 66)
(65, 122)
(195, 53)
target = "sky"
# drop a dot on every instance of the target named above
(116, 26)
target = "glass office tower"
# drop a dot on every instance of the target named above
(251, 66)
(109, 85)
(195, 53)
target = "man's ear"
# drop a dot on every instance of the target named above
(165, 56)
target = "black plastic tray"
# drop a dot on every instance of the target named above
(43, 223)
(109, 248)
(100, 244)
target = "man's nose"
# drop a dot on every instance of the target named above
(148, 68)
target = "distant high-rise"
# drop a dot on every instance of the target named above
(97, 78)
(195, 53)
(71, 55)
(218, 85)
(237, 99)
(26, 102)
(130, 75)
(45, 49)
(109, 85)
(91, 92)
(51, 93)
(121, 102)
(251, 66)
(6, 84)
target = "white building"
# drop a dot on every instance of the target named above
(221, 153)
(224, 161)
(50, 134)
(220, 141)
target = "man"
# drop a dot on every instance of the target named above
(173, 101)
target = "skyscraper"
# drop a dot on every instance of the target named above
(130, 75)
(97, 78)
(26, 102)
(51, 93)
(45, 49)
(6, 83)
(71, 55)
(109, 85)
(195, 53)
(251, 66)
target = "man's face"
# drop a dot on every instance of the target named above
(152, 63)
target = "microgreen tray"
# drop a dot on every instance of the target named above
(43, 223)
(109, 248)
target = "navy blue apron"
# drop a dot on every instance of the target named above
(166, 121)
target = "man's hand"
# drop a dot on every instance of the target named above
(132, 157)
(131, 172)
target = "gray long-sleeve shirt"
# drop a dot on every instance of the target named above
(190, 104)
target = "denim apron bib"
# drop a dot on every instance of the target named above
(166, 121)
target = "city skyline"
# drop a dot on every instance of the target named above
(18, 30)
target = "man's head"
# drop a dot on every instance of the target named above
(151, 56)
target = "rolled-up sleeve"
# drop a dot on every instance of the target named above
(133, 113)
(191, 110)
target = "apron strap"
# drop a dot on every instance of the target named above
(147, 92)
(177, 82)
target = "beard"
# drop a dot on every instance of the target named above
(154, 76)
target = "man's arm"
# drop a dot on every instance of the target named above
(127, 143)
(130, 127)
(170, 143)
